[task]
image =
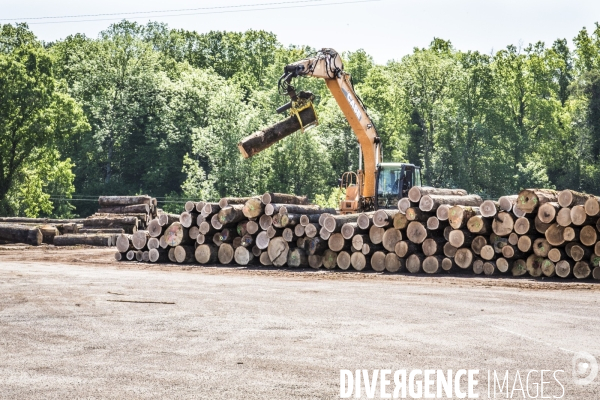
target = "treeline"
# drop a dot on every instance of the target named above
(148, 109)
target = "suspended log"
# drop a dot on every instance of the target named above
(176, 234)
(503, 224)
(393, 263)
(390, 237)
(139, 239)
(564, 268)
(383, 218)
(242, 256)
(112, 201)
(334, 223)
(297, 258)
(84, 239)
(343, 260)
(414, 263)
(225, 253)
(184, 254)
(283, 198)
(581, 270)
(432, 202)
(479, 225)
(417, 192)
(548, 212)
(458, 216)
(252, 208)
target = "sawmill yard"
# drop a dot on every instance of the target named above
(74, 323)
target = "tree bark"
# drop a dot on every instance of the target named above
(417, 192)
(383, 218)
(283, 198)
(570, 198)
(90, 240)
(111, 201)
(334, 223)
(432, 202)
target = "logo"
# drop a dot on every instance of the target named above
(585, 369)
(353, 104)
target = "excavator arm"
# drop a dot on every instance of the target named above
(327, 65)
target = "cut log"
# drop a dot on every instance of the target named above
(145, 256)
(489, 208)
(449, 250)
(163, 242)
(414, 263)
(343, 260)
(155, 229)
(193, 232)
(252, 208)
(139, 239)
(176, 234)
(432, 202)
(571, 233)
(505, 203)
(298, 258)
(112, 201)
(284, 198)
(581, 270)
(231, 214)
(547, 212)
(447, 231)
(548, 268)
(519, 267)
(225, 253)
(334, 223)
(534, 265)
(264, 259)
(433, 223)
(564, 268)
(400, 221)
(510, 251)
(524, 225)
(92, 231)
(84, 239)
(513, 239)
(130, 255)
(199, 206)
(336, 242)
(392, 263)
(530, 199)
(324, 234)
(311, 230)
(478, 266)
(200, 239)
(417, 192)
(299, 230)
(478, 243)
(432, 264)
(278, 251)
(242, 256)
(265, 222)
(487, 252)
(111, 221)
(358, 261)
(503, 265)
(307, 219)
(322, 217)
(317, 246)
(458, 216)
(252, 227)
(184, 254)
(405, 248)
(554, 235)
(416, 232)
(288, 235)
(540, 226)
(442, 212)
(460, 237)
(448, 264)
(596, 273)
(300, 209)
(588, 235)
(404, 204)
(503, 224)
(579, 252)
(158, 255)
(123, 243)
(479, 225)
(563, 217)
(541, 247)
(167, 219)
(490, 268)
(390, 237)
(329, 259)
(383, 218)
(153, 243)
(132, 209)
(415, 214)
(570, 198)
(592, 206)
(350, 229)
(225, 236)
(555, 255)
(579, 216)
(358, 240)
(376, 234)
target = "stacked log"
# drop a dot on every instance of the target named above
(537, 233)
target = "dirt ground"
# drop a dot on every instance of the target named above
(74, 323)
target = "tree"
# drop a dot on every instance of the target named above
(34, 114)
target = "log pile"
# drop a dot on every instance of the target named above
(537, 233)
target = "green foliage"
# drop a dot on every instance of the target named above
(148, 109)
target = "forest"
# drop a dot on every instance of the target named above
(145, 109)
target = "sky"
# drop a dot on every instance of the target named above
(385, 29)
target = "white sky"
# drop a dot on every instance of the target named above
(386, 29)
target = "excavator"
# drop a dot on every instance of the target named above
(380, 184)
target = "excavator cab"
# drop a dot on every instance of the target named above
(394, 180)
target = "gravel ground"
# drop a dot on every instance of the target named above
(70, 327)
